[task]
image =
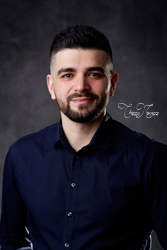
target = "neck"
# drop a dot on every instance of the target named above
(80, 134)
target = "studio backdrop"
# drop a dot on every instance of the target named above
(137, 31)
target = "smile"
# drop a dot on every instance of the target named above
(82, 100)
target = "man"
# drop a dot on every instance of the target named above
(87, 182)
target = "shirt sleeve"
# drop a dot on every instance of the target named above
(13, 228)
(155, 183)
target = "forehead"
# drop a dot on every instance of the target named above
(80, 58)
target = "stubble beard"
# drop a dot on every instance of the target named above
(84, 113)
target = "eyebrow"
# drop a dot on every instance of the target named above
(95, 69)
(63, 70)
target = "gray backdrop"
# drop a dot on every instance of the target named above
(137, 31)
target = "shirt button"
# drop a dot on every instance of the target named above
(66, 245)
(77, 157)
(69, 214)
(73, 184)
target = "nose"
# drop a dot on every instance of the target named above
(81, 84)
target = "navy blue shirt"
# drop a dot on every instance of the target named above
(109, 195)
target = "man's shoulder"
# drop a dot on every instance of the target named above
(45, 132)
(128, 136)
(136, 144)
(132, 134)
(44, 137)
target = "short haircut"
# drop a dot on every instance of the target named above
(80, 36)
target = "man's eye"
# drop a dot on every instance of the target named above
(94, 74)
(67, 75)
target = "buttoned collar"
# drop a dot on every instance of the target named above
(101, 139)
(104, 134)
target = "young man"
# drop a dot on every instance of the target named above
(87, 182)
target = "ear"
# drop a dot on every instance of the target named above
(114, 80)
(50, 85)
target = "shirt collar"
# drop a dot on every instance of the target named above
(104, 134)
(60, 137)
(57, 134)
(101, 139)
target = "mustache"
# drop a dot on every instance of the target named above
(75, 95)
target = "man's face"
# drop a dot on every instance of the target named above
(81, 82)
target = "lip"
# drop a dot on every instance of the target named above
(82, 100)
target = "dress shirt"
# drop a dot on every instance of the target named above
(110, 194)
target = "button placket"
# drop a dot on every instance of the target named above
(70, 209)
(77, 157)
(66, 245)
(73, 184)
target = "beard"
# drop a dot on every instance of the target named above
(84, 113)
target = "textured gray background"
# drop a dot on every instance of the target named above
(137, 31)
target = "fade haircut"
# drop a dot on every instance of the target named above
(80, 36)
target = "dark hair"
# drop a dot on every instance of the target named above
(80, 36)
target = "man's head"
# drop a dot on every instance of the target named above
(80, 36)
(81, 77)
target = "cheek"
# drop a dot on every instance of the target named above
(61, 91)
(101, 88)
